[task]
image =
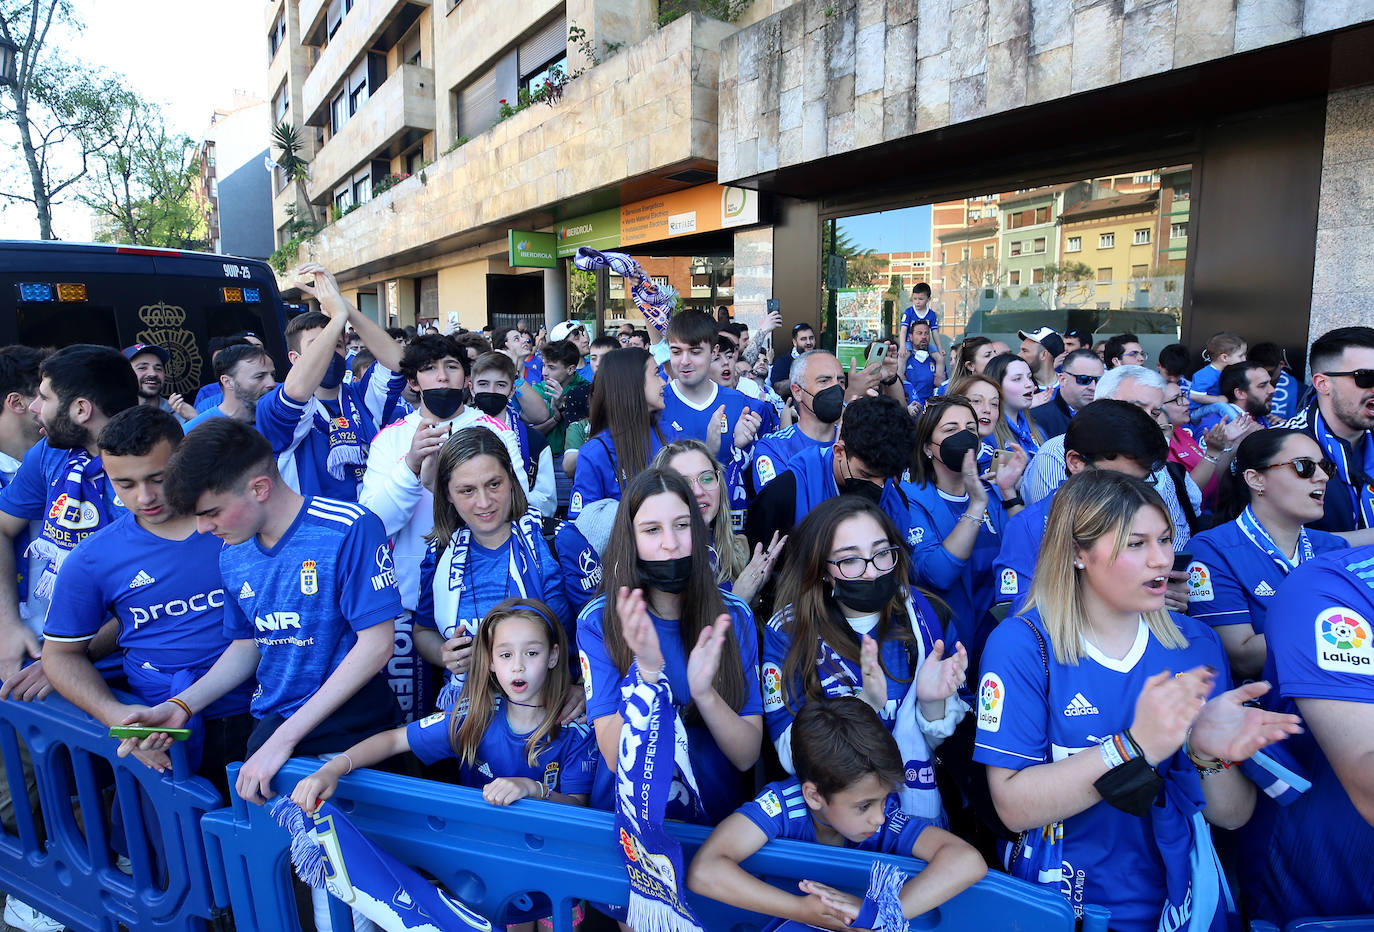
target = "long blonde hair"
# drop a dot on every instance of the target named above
(1090, 505)
(472, 713)
(732, 553)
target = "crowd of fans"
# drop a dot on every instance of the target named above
(1047, 607)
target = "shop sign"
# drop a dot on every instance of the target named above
(533, 250)
(702, 209)
(600, 230)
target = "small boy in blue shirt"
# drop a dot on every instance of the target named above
(919, 309)
(848, 768)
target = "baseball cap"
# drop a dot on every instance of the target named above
(1047, 337)
(563, 330)
(139, 348)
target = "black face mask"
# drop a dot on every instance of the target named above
(828, 404)
(670, 576)
(867, 595)
(862, 488)
(953, 448)
(334, 375)
(443, 403)
(490, 403)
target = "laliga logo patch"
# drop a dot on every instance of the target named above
(1343, 641)
(766, 471)
(310, 583)
(991, 696)
(575, 503)
(772, 687)
(1007, 584)
(1199, 583)
(586, 673)
(770, 804)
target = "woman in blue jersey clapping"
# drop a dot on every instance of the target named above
(957, 523)
(657, 563)
(627, 396)
(1276, 483)
(1106, 724)
(851, 626)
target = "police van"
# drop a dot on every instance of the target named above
(55, 294)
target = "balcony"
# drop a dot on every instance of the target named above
(643, 114)
(370, 24)
(392, 119)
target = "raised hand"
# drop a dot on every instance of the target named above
(1166, 708)
(874, 690)
(641, 637)
(940, 676)
(704, 660)
(747, 428)
(1228, 729)
(457, 654)
(973, 482)
(756, 572)
(1010, 471)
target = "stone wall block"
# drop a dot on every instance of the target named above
(1049, 75)
(839, 35)
(789, 150)
(1051, 25)
(1206, 30)
(932, 26)
(1350, 126)
(1325, 15)
(967, 98)
(1347, 194)
(1344, 262)
(790, 109)
(870, 13)
(902, 11)
(841, 99)
(813, 129)
(1007, 19)
(748, 67)
(1006, 79)
(747, 102)
(899, 59)
(868, 119)
(969, 30)
(814, 67)
(1266, 22)
(870, 48)
(729, 59)
(1096, 48)
(791, 26)
(1147, 40)
(840, 132)
(899, 115)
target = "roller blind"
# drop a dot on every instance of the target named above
(549, 42)
(478, 102)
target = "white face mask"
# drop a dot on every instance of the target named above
(920, 355)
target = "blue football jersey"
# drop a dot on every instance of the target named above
(1205, 381)
(920, 379)
(1308, 856)
(780, 811)
(1027, 716)
(566, 764)
(1014, 568)
(773, 453)
(720, 783)
(1287, 395)
(303, 599)
(596, 478)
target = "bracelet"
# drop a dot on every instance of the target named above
(1013, 502)
(344, 755)
(1206, 767)
(544, 791)
(1215, 461)
(184, 707)
(976, 519)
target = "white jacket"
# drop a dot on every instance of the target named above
(406, 507)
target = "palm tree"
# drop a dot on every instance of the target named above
(295, 169)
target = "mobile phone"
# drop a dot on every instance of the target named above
(774, 305)
(996, 461)
(143, 731)
(1181, 561)
(878, 352)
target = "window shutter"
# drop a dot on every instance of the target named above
(548, 43)
(478, 103)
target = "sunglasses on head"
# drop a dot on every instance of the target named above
(1084, 379)
(1306, 467)
(1364, 378)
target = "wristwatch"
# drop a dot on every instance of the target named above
(1013, 502)
(891, 381)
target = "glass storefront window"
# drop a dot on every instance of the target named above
(704, 283)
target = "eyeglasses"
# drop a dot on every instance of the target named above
(1364, 378)
(1141, 354)
(1181, 401)
(706, 480)
(1306, 467)
(854, 567)
(1084, 379)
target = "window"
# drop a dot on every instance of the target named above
(281, 103)
(1073, 244)
(338, 9)
(1142, 237)
(659, 280)
(478, 102)
(1016, 248)
(1042, 215)
(1104, 276)
(338, 112)
(357, 87)
(975, 215)
(1014, 277)
(1106, 240)
(362, 186)
(1183, 192)
(214, 187)
(965, 255)
(1140, 271)
(343, 196)
(1037, 276)
(989, 251)
(1178, 230)
(278, 180)
(1039, 245)
(276, 37)
(541, 53)
(410, 48)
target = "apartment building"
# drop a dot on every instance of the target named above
(234, 182)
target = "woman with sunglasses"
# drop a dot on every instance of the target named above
(735, 570)
(851, 626)
(1013, 374)
(1275, 485)
(957, 523)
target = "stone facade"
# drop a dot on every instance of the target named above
(1343, 273)
(824, 77)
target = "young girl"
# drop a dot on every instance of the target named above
(504, 730)
(659, 546)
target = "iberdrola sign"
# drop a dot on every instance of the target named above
(533, 250)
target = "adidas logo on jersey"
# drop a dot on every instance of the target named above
(1264, 589)
(247, 592)
(484, 770)
(142, 579)
(1079, 705)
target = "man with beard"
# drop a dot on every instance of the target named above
(61, 481)
(1247, 388)
(150, 368)
(245, 375)
(1341, 367)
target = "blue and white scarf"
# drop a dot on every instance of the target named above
(456, 611)
(330, 853)
(656, 302)
(75, 514)
(1197, 895)
(882, 906)
(1361, 496)
(347, 459)
(1249, 526)
(646, 778)
(1025, 435)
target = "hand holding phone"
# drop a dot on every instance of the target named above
(143, 731)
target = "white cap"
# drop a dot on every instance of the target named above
(561, 331)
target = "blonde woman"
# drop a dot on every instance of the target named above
(736, 570)
(1106, 723)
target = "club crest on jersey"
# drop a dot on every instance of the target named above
(310, 581)
(991, 698)
(1343, 641)
(1199, 583)
(1007, 583)
(772, 687)
(551, 776)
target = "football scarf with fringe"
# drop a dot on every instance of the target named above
(656, 302)
(77, 513)
(330, 853)
(652, 767)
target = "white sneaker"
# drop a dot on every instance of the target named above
(20, 915)
(124, 865)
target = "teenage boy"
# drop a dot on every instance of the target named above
(562, 398)
(493, 386)
(575, 333)
(848, 769)
(310, 606)
(925, 364)
(245, 375)
(61, 483)
(919, 309)
(1223, 349)
(147, 570)
(1077, 339)
(1124, 349)
(1078, 379)
(597, 351)
(818, 394)
(318, 425)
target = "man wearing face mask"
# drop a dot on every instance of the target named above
(874, 446)
(318, 426)
(401, 464)
(818, 393)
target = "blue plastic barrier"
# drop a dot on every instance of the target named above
(1342, 924)
(71, 875)
(490, 857)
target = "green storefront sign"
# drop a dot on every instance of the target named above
(532, 250)
(600, 230)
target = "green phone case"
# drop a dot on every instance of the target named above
(143, 731)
